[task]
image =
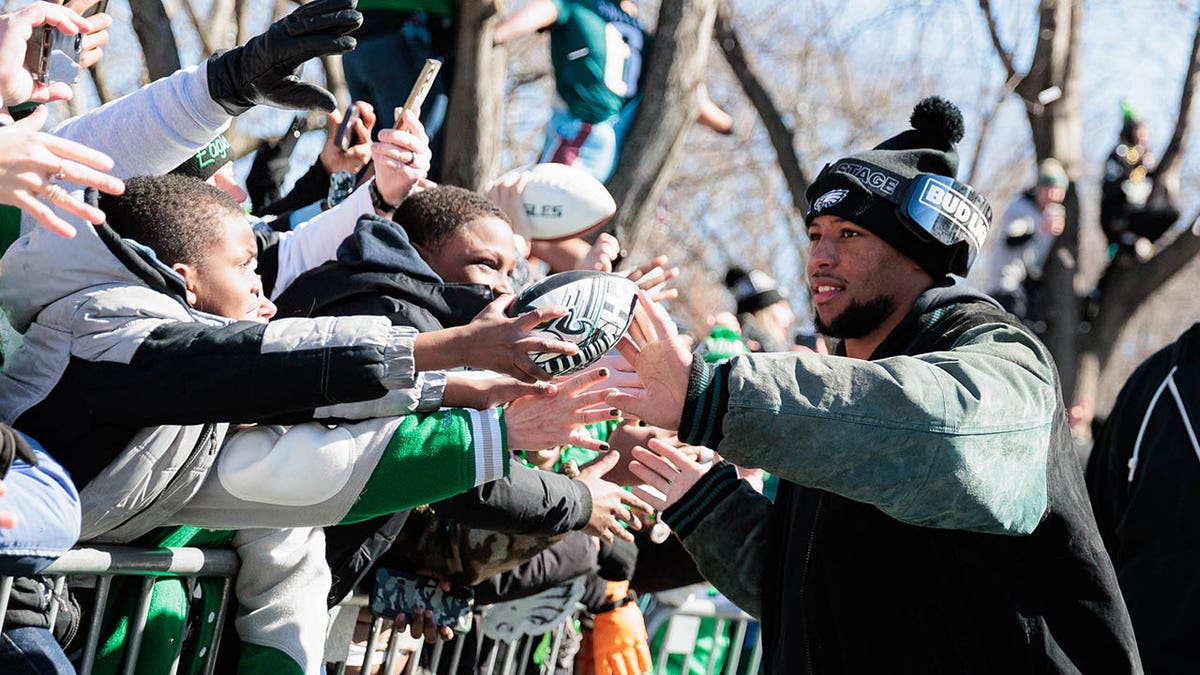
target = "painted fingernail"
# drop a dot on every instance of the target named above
(642, 423)
(604, 372)
(614, 413)
(604, 447)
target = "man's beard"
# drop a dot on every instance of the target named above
(859, 319)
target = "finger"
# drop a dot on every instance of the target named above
(544, 344)
(361, 132)
(333, 118)
(595, 417)
(627, 402)
(589, 399)
(583, 381)
(55, 91)
(601, 465)
(665, 294)
(43, 214)
(649, 476)
(400, 622)
(446, 633)
(581, 439)
(540, 315)
(82, 175)
(529, 371)
(657, 502)
(644, 333)
(659, 464)
(77, 208)
(663, 326)
(76, 152)
(634, 502)
(670, 453)
(366, 113)
(431, 627)
(50, 14)
(621, 532)
(630, 350)
(401, 139)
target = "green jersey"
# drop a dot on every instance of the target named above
(597, 53)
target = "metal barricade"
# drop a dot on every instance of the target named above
(683, 629)
(105, 562)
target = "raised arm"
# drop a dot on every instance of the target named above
(531, 18)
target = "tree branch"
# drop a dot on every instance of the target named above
(1010, 70)
(782, 137)
(1173, 154)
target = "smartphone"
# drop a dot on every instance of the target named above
(416, 97)
(345, 130)
(98, 8)
(397, 591)
(53, 56)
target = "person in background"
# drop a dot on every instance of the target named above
(1029, 227)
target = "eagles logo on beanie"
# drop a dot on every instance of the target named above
(867, 188)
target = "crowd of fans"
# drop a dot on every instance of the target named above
(327, 382)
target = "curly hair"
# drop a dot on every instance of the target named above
(180, 218)
(431, 217)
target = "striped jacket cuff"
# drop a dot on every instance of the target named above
(399, 366)
(684, 515)
(491, 447)
(705, 404)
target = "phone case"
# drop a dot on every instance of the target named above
(398, 592)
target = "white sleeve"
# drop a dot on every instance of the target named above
(316, 241)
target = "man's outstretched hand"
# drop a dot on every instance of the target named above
(662, 361)
(263, 71)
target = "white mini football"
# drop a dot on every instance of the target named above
(563, 201)
(600, 308)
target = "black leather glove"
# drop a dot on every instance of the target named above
(12, 446)
(264, 70)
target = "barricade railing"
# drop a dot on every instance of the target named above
(105, 562)
(683, 630)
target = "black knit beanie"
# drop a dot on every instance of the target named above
(866, 188)
(753, 290)
(208, 161)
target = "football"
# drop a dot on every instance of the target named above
(600, 308)
(563, 201)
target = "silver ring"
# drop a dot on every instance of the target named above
(55, 194)
(61, 173)
(412, 157)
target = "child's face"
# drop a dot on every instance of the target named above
(226, 282)
(481, 252)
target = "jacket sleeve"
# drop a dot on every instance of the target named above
(313, 186)
(528, 501)
(953, 439)
(143, 368)
(152, 130)
(574, 556)
(722, 523)
(315, 241)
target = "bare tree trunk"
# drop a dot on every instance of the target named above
(1166, 174)
(153, 28)
(471, 144)
(782, 136)
(674, 70)
(335, 79)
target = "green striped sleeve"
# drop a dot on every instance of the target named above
(431, 457)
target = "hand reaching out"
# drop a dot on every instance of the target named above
(669, 470)
(358, 154)
(653, 276)
(662, 361)
(402, 159)
(31, 163)
(16, 28)
(483, 390)
(493, 341)
(540, 423)
(611, 505)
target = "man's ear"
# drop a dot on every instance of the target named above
(189, 280)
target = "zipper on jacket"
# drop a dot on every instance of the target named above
(201, 442)
(812, 537)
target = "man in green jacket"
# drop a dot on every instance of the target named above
(931, 516)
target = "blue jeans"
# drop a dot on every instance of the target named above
(383, 68)
(32, 651)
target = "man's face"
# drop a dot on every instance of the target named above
(481, 252)
(226, 282)
(855, 278)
